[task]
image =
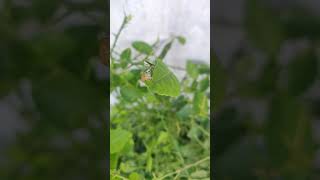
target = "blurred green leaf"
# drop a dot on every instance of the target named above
(288, 135)
(200, 104)
(130, 93)
(192, 69)
(263, 27)
(142, 47)
(302, 72)
(125, 57)
(204, 84)
(182, 40)
(135, 176)
(165, 50)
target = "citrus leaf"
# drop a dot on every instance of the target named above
(163, 81)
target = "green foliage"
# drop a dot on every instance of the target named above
(167, 118)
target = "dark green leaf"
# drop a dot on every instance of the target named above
(263, 27)
(165, 50)
(302, 72)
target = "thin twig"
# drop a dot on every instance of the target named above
(124, 22)
(185, 168)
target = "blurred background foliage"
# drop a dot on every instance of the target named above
(49, 61)
(266, 95)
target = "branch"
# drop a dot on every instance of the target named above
(125, 21)
(185, 168)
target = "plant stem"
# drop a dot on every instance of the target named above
(185, 168)
(124, 22)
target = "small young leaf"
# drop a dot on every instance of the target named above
(142, 47)
(181, 39)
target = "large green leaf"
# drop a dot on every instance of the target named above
(118, 140)
(163, 81)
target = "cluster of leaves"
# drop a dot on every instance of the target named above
(265, 106)
(159, 129)
(63, 107)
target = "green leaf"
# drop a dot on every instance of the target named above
(302, 73)
(263, 27)
(185, 112)
(113, 160)
(163, 81)
(200, 104)
(118, 140)
(125, 57)
(204, 84)
(130, 93)
(142, 47)
(182, 40)
(165, 50)
(192, 69)
(135, 176)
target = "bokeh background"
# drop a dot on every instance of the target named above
(53, 90)
(265, 89)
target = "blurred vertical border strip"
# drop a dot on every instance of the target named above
(107, 47)
(211, 94)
